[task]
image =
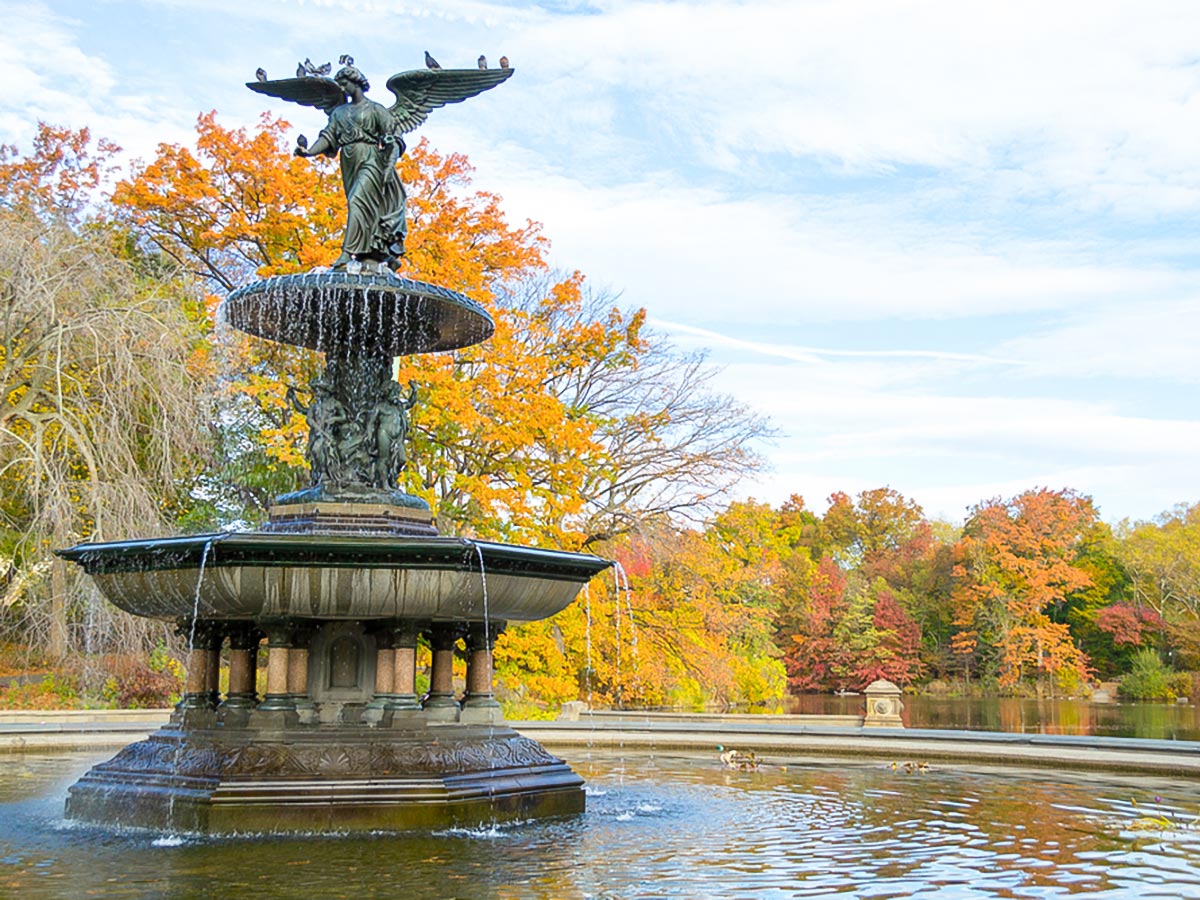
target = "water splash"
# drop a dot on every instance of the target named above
(489, 832)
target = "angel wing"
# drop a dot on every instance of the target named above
(422, 90)
(323, 93)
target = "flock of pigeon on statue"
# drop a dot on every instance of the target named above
(307, 69)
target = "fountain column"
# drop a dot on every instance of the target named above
(243, 667)
(196, 690)
(385, 673)
(440, 704)
(479, 704)
(212, 663)
(279, 644)
(297, 674)
(404, 674)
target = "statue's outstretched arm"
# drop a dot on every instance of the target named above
(322, 145)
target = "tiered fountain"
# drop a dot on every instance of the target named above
(349, 575)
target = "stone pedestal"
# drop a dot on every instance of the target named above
(883, 705)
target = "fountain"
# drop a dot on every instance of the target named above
(349, 574)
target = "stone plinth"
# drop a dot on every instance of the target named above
(883, 705)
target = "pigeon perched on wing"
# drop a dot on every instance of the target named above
(260, 73)
(430, 62)
(504, 62)
(323, 69)
(482, 61)
(300, 70)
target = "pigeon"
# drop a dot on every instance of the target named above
(300, 70)
(345, 60)
(504, 62)
(482, 61)
(260, 73)
(430, 62)
(323, 69)
(301, 142)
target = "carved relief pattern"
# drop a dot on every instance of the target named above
(200, 758)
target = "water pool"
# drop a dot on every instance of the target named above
(662, 827)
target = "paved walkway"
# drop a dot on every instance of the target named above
(780, 740)
(85, 729)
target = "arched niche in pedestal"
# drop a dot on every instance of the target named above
(341, 670)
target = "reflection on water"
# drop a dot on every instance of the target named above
(1162, 721)
(659, 827)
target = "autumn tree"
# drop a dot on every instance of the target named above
(876, 522)
(1162, 559)
(570, 426)
(98, 358)
(812, 656)
(1017, 560)
(58, 177)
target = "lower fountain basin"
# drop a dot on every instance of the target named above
(256, 576)
(230, 780)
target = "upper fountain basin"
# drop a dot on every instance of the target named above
(374, 314)
(260, 576)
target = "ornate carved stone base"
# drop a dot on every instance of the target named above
(333, 517)
(328, 779)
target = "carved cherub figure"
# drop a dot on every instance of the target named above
(388, 423)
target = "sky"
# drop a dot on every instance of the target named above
(946, 246)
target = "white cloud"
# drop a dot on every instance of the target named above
(690, 251)
(1147, 339)
(1095, 98)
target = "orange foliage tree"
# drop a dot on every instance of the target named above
(1017, 560)
(569, 426)
(572, 426)
(60, 174)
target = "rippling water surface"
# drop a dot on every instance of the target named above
(662, 827)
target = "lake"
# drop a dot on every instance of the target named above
(661, 827)
(1163, 721)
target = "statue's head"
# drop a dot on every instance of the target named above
(351, 75)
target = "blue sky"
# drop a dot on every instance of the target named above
(948, 246)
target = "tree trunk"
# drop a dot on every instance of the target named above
(58, 642)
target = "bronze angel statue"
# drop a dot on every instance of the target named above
(369, 138)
